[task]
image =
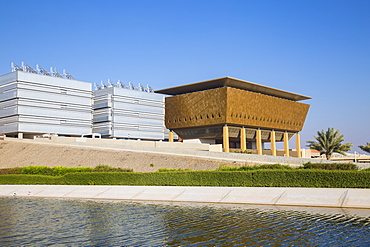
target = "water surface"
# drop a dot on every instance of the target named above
(47, 222)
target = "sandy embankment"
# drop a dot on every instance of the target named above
(17, 154)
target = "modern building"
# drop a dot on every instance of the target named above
(236, 113)
(38, 102)
(128, 112)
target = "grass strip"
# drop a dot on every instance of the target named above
(256, 178)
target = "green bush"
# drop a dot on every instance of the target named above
(59, 170)
(173, 170)
(330, 166)
(37, 170)
(52, 171)
(250, 168)
(30, 179)
(16, 170)
(198, 178)
(105, 168)
(253, 178)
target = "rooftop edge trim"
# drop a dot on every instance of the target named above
(234, 83)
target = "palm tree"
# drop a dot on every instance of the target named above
(365, 148)
(329, 142)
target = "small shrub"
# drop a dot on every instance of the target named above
(275, 166)
(228, 168)
(105, 168)
(37, 170)
(256, 167)
(58, 170)
(52, 171)
(330, 166)
(173, 170)
(5, 171)
(151, 165)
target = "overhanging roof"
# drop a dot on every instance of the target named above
(234, 83)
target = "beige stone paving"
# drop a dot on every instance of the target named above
(18, 154)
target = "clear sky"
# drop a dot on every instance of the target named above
(316, 48)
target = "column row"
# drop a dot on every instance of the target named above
(243, 141)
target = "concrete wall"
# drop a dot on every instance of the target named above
(322, 197)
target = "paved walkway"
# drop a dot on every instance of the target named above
(321, 197)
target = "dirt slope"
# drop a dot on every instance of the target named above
(18, 153)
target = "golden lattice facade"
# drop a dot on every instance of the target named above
(235, 112)
(234, 107)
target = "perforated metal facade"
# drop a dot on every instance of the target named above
(234, 107)
(200, 110)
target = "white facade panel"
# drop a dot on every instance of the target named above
(101, 104)
(129, 113)
(136, 134)
(9, 111)
(53, 105)
(50, 128)
(44, 120)
(53, 112)
(138, 107)
(98, 119)
(50, 89)
(104, 128)
(8, 87)
(137, 94)
(39, 95)
(8, 95)
(9, 124)
(44, 104)
(7, 78)
(9, 128)
(53, 81)
(8, 103)
(138, 120)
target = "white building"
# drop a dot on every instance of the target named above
(33, 103)
(121, 112)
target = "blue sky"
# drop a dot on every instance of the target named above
(315, 48)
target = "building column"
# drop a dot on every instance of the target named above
(259, 141)
(286, 144)
(273, 143)
(243, 139)
(170, 136)
(225, 135)
(298, 144)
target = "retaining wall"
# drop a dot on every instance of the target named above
(192, 150)
(322, 197)
(196, 150)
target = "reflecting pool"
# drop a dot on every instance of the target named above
(47, 222)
